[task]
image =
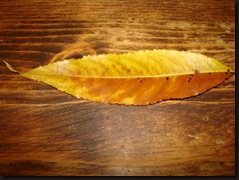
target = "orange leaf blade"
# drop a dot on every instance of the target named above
(138, 78)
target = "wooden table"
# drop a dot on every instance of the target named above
(47, 132)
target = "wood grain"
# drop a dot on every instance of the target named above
(47, 132)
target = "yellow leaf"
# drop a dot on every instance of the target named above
(137, 78)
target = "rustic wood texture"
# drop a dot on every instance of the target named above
(46, 132)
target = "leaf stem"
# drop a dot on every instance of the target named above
(10, 67)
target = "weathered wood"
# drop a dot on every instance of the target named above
(46, 132)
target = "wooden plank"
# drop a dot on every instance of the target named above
(47, 132)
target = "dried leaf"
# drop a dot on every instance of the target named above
(137, 78)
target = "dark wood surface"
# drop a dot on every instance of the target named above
(46, 132)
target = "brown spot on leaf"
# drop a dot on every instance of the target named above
(196, 71)
(128, 71)
(228, 70)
